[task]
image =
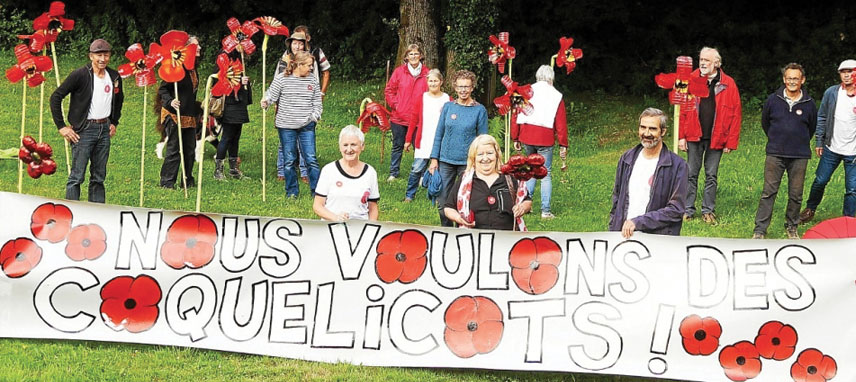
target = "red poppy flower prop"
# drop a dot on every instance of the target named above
(525, 167)
(229, 76)
(37, 156)
(568, 56)
(374, 115)
(401, 256)
(700, 335)
(177, 55)
(535, 264)
(740, 361)
(130, 303)
(500, 52)
(140, 65)
(684, 86)
(813, 366)
(86, 242)
(189, 242)
(240, 36)
(776, 341)
(516, 98)
(29, 67)
(19, 256)
(48, 26)
(51, 222)
(473, 326)
(271, 26)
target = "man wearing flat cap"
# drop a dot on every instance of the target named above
(835, 141)
(93, 114)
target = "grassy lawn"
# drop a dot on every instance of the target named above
(602, 127)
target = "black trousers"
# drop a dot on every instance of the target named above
(172, 157)
(229, 140)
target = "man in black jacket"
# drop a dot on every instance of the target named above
(789, 119)
(93, 114)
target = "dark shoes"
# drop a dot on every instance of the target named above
(793, 233)
(806, 215)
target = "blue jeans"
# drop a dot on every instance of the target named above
(416, 171)
(698, 153)
(449, 173)
(399, 132)
(290, 139)
(546, 182)
(92, 148)
(280, 163)
(828, 163)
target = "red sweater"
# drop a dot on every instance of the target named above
(541, 136)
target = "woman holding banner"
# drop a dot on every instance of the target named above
(347, 188)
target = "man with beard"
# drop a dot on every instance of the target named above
(650, 183)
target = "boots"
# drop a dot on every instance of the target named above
(218, 169)
(234, 170)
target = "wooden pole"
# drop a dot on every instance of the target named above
(143, 144)
(264, 119)
(23, 122)
(508, 120)
(65, 141)
(201, 142)
(677, 119)
(553, 61)
(180, 143)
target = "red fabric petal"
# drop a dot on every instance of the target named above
(522, 253)
(41, 22)
(190, 59)
(126, 70)
(145, 78)
(169, 71)
(487, 336)
(544, 278)
(35, 80)
(666, 80)
(43, 63)
(145, 290)
(57, 8)
(142, 319)
(233, 24)
(15, 74)
(460, 342)
(229, 43)
(174, 39)
(135, 52)
(460, 313)
(413, 268)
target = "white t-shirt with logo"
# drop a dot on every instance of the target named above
(346, 193)
(639, 185)
(844, 134)
(102, 97)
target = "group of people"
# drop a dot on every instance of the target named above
(654, 191)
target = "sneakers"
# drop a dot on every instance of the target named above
(391, 179)
(806, 215)
(159, 149)
(793, 234)
(757, 235)
(547, 215)
(709, 218)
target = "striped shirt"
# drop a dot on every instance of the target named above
(298, 100)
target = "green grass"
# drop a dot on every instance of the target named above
(602, 127)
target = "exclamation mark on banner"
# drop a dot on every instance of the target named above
(660, 339)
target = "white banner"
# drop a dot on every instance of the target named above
(402, 295)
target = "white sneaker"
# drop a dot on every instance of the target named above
(159, 149)
(547, 215)
(391, 178)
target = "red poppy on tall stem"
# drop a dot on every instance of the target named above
(501, 51)
(177, 55)
(271, 26)
(19, 256)
(29, 67)
(240, 37)
(684, 86)
(515, 98)
(229, 76)
(568, 56)
(374, 115)
(48, 26)
(140, 65)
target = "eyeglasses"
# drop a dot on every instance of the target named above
(463, 87)
(792, 80)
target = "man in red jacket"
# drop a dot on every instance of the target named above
(707, 131)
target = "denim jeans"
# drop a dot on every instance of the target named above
(546, 182)
(305, 138)
(93, 148)
(229, 143)
(449, 173)
(828, 163)
(399, 132)
(280, 163)
(774, 168)
(698, 152)
(172, 157)
(416, 171)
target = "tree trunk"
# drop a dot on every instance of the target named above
(418, 26)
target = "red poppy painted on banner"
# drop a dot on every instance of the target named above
(229, 76)
(51, 222)
(813, 366)
(473, 326)
(240, 37)
(48, 26)
(374, 115)
(568, 56)
(401, 256)
(501, 51)
(189, 242)
(19, 256)
(178, 54)
(86, 242)
(685, 87)
(29, 67)
(271, 26)
(130, 303)
(740, 361)
(700, 336)
(140, 65)
(516, 98)
(535, 264)
(776, 340)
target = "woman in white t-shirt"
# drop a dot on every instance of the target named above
(347, 188)
(423, 125)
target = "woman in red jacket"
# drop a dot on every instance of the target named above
(404, 88)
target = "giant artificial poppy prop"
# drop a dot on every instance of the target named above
(271, 27)
(568, 56)
(524, 168)
(684, 88)
(374, 114)
(229, 76)
(47, 27)
(141, 66)
(37, 156)
(501, 52)
(837, 228)
(240, 37)
(516, 98)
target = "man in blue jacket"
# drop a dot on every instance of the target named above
(650, 183)
(789, 118)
